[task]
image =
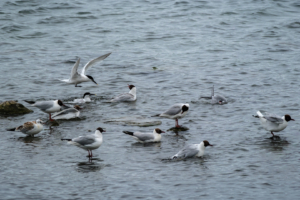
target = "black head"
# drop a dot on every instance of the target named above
(100, 129)
(92, 79)
(288, 118)
(87, 93)
(131, 86)
(157, 130)
(184, 108)
(206, 143)
(60, 103)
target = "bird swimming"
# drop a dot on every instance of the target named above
(216, 99)
(141, 137)
(130, 96)
(85, 98)
(192, 150)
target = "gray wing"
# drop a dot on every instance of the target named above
(74, 72)
(44, 105)
(144, 136)
(273, 118)
(174, 110)
(90, 63)
(85, 140)
(65, 112)
(123, 97)
(189, 150)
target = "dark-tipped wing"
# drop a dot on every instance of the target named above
(273, 118)
(92, 62)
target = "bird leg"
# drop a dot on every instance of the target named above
(176, 123)
(50, 117)
(274, 136)
(89, 154)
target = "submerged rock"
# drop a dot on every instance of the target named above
(13, 108)
(134, 121)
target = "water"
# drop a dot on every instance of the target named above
(172, 51)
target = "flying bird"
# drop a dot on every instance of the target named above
(77, 78)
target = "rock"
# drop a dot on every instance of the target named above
(13, 108)
(134, 121)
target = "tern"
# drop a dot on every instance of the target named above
(77, 78)
(68, 113)
(85, 98)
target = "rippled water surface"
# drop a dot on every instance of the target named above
(172, 51)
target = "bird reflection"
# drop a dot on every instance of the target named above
(29, 139)
(90, 165)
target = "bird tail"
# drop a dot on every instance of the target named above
(128, 133)
(30, 102)
(259, 114)
(66, 139)
(155, 115)
(11, 129)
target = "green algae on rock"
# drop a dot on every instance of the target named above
(13, 108)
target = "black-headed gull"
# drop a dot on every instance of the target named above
(89, 142)
(48, 106)
(216, 99)
(273, 123)
(176, 112)
(68, 113)
(130, 96)
(85, 98)
(155, 136)
(192, 150)
(30, 128)
(77, 78)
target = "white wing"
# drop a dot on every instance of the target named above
(90, 63)
(74, 72)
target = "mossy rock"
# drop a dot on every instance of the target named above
(13, 108)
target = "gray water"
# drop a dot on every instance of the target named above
(172, 51)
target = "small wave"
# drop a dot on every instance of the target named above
(294, 25)
(27, 11)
